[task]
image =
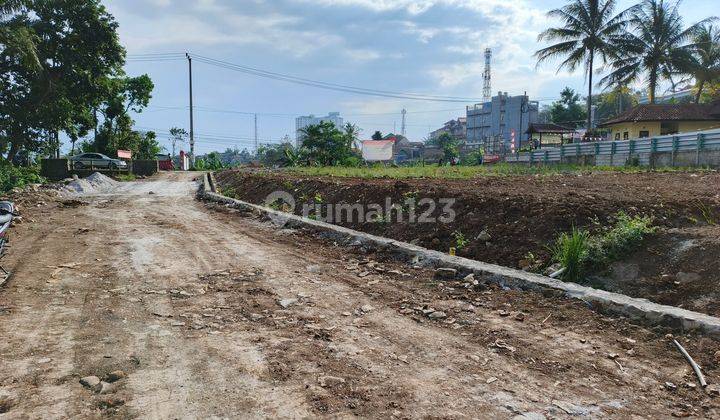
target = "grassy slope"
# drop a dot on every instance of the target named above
(459, 172)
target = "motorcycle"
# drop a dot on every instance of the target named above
(7, 213)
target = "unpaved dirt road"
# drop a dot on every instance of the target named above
(215, 314)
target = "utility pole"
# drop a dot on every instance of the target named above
(192, 125)
(256, 139)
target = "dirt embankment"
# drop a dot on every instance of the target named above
(513, 220)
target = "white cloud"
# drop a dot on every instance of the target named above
(209, 24)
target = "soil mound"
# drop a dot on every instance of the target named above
(95, 183)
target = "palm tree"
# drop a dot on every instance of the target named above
(589, 32)
(657, 47)
(706, 49)
(15, 37)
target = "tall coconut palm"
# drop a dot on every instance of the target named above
(590, 32)
(656, 49)
(706, 49)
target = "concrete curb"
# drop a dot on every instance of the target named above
(638, 310)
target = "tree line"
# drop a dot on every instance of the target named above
(647, 44)
(61, 74)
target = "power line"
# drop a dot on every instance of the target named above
(295, 115)
(299, 80)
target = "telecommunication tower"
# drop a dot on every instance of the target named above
(402, 127)
(487, 76)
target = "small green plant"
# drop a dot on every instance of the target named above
(280, 205)
(706, 212)
(126, 177)
(414, 194)
(571, 251)
(228, 192)
(460, 240)
(578, 251)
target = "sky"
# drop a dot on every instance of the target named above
(432, 47)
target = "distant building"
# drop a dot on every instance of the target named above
(456, 128)
(663, 119)
(493, 124)
(304, 121)
(392, 148)
(683, 95)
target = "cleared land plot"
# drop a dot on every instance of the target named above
(513, 220)
(214, 313)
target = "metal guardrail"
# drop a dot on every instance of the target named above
(686, 142)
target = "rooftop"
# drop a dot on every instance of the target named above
(669, 112)
(549, 129)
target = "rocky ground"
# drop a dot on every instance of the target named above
(139, 301)
(514, 220)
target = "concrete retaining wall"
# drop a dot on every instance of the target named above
(638, 310)
(145, 167)
(708, 158)
(55, 169)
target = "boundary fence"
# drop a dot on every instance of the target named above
(672, 149)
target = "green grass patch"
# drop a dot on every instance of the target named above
(19, 176)
(463, 172)
(126, 177)
(580, 252)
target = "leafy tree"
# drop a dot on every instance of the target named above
(711, 92)
(449, 145)
(148, 146)
(568, 111)
(177, 135)
(656, 49)
(78, 50)
(590, 31)
(15, 37)
(377, 136)
(327, 145)
(123, 94)
(210, 162)
(706, 50)
(613, 103)
(277, 155)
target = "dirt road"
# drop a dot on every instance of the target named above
(215, 314)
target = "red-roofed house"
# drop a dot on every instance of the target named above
(661, 119)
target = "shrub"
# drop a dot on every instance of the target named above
(579, 251)
(571, 251)
(460, 240)
(18, 176)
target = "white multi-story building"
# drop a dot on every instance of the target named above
(304, 121)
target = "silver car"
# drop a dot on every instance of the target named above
(96, 160)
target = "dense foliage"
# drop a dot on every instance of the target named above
(61, 72)
(18, 177)
(568, 111)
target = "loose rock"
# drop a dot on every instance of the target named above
(286, 303)
(437, 315)
(115, 376)
(330, 381)
(446, 273)
(483, 236)
(91, 382)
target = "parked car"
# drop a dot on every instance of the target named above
(96, 160)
